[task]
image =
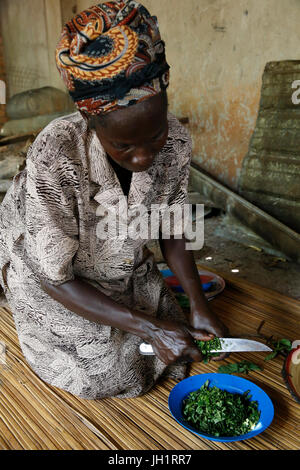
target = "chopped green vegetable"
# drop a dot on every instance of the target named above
(220, 413)
(207, 346)
(242, 367)
(282, 346)
(271, 356)
(183, 300)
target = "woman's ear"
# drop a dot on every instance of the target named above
(88, 119)
(84, 115)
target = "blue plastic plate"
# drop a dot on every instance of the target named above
(232, 384)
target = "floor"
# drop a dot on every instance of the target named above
(35, 415)
(224, 250)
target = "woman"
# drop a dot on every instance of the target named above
(82, 304)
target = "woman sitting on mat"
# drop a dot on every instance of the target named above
(82, 304)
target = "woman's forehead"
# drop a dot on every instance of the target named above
(143, 120)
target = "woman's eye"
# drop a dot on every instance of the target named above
(160, 135)
(121, 146)
(124, 147)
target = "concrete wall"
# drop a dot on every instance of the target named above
(217, 50)
(30, 31)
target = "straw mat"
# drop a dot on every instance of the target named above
(34, 415)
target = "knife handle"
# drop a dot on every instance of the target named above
(146, 349)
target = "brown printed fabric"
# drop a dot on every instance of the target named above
(48, 231)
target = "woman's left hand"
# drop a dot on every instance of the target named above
(203, 318)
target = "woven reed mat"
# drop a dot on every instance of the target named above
(34, 415)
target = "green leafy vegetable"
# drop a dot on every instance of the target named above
(220, 413)
(242, 367)
(281, 346)
(207, 346)
(183, 301)
(271, 356)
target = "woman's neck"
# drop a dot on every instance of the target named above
(123, 175)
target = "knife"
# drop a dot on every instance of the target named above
(227, 345)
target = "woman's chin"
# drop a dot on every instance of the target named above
(140, 170)
(143, 167)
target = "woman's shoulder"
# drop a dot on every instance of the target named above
(69, 128)
(61, 136)
(179, 144)
(177, 131)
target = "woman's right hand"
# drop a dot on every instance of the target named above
(173, 342)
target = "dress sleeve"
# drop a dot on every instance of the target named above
(51, 235)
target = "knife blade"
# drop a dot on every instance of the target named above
(227, 345)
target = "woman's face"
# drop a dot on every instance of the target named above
(133, 136)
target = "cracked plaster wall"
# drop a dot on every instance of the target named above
(217, 50)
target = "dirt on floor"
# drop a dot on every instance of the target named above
(247, 258)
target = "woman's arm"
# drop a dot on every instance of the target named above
(182, 263)
(171, 341)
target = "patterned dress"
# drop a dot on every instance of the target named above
(48, 231)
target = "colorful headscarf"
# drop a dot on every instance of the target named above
(111, 56)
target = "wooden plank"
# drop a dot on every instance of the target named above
(13, 139)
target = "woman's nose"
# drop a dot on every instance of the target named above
(142, 155)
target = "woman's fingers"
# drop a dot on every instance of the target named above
(191, 355)
(196, 355)
(201, 335)
(221, 357)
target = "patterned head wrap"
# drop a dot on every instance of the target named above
(111, 56)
